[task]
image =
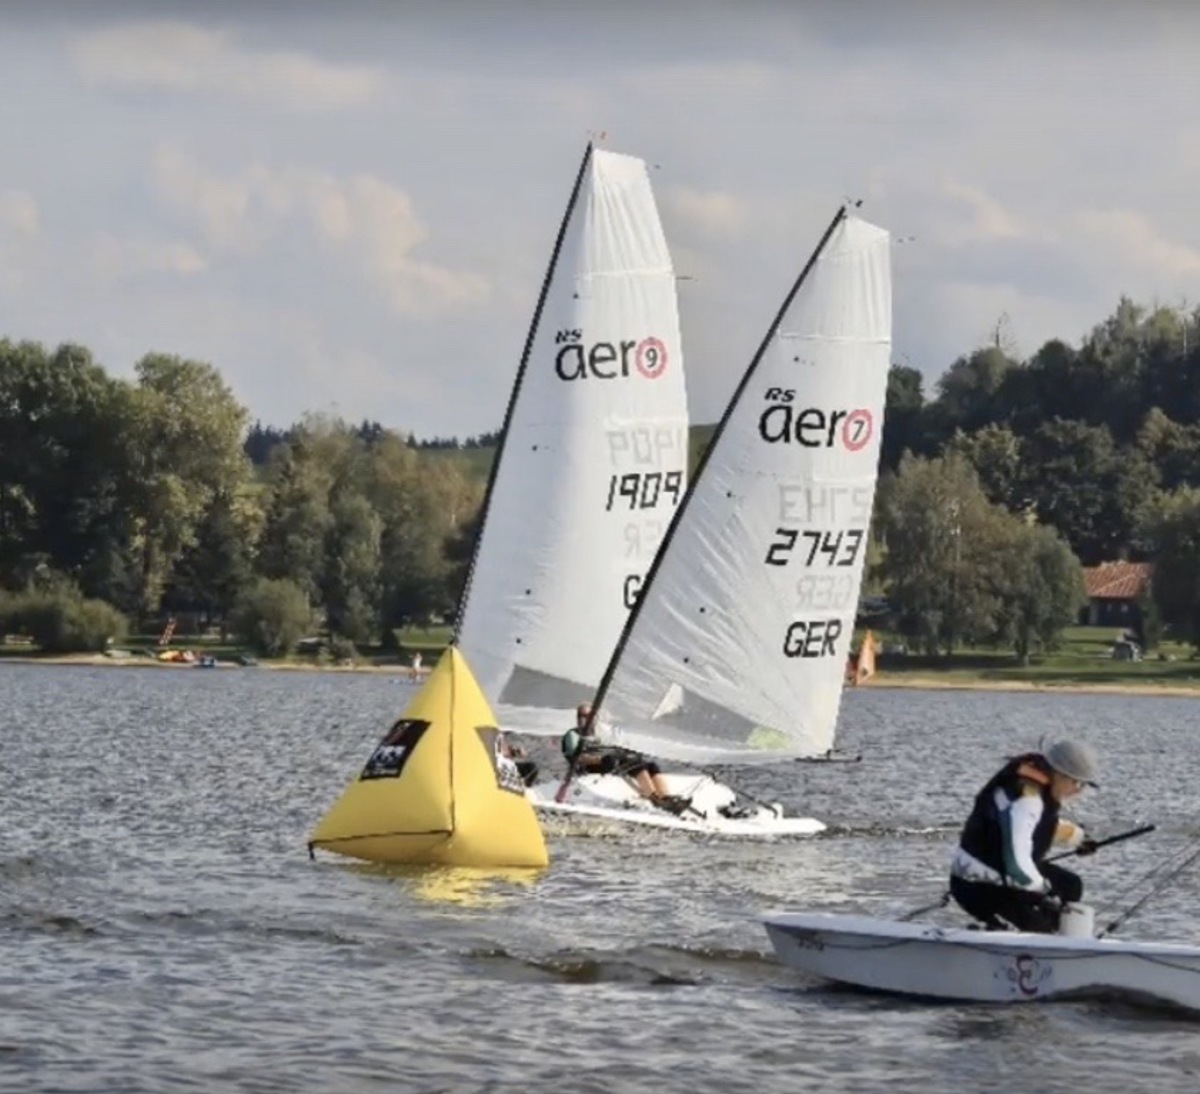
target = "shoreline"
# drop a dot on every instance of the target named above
(1116, 687)
(896, 682)
(100, 660)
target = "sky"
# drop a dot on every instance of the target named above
(347, 208)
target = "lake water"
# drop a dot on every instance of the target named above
(163, 929)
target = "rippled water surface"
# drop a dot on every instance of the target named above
(162, 928)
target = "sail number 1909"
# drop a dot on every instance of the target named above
(643, 489)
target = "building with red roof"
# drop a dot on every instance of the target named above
(1113, 592)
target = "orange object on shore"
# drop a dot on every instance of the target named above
(860, 667)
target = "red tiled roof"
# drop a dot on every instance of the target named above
(1117, 580)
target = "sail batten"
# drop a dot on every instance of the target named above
(593, 459)
(749, 610)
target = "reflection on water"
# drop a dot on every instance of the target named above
(155, 886)
(464, 886)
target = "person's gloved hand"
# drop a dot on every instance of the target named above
(1067, 887)
(1086, 847)
(1047, 912)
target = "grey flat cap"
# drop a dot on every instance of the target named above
(1075, 760)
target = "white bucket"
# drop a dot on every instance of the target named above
(1077, 921)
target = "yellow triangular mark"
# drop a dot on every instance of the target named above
(434, 790)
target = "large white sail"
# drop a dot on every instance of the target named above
(738, 648)
(592, 462)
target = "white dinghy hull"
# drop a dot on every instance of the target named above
(614, 798)
(982, 966)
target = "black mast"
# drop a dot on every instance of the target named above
(606, 679)
(516, 390)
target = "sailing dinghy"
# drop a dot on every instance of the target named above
(964, 964)
(591, 466)
(972, 964)
(735, 650)
(592, 459)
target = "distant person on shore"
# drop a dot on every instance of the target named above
(587, 755)
(999, 873)
(414, 671)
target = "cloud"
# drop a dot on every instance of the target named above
(183, 58)
(986, 220)
(237, 212)
(371, 178)
(709, 212)
(1131, 239)
(20, 238)
(1188, 156)
(19, 214)
(378, 221)
(118, 258)
(362, 218)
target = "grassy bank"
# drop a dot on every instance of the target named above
(1084, 662)
(143, 650)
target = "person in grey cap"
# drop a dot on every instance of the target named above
(999, 874)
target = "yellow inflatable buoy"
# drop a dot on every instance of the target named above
(438, 788)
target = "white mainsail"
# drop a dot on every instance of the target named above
(737, 650)
(592, 461)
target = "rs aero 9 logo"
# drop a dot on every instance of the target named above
(608, 360)
(812, 426)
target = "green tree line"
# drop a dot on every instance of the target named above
(134, 499)
(995, 490)
(152, 496)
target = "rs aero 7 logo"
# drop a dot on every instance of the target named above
(812, 426)
(573, 360)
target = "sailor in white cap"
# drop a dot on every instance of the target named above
(999, 874)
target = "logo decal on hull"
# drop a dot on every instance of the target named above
(1025, 975)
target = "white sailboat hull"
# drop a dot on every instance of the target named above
(982, 966)
(614, 798)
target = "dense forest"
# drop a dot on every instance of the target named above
(130, 500)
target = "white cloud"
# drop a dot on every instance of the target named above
(222, 206)
(181, 57)
(1132, 240)
(378, 221)
(710, 212)
(361, 217)
(681, 84)
(1189, 151)
(375, 170)
(19, 214)
(986, 219)
(20, 238)
(119, 257)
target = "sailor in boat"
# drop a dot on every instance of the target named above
(999, 874)
(527, 769)
(587, 755)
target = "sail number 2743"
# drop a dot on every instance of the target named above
(840, 548)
